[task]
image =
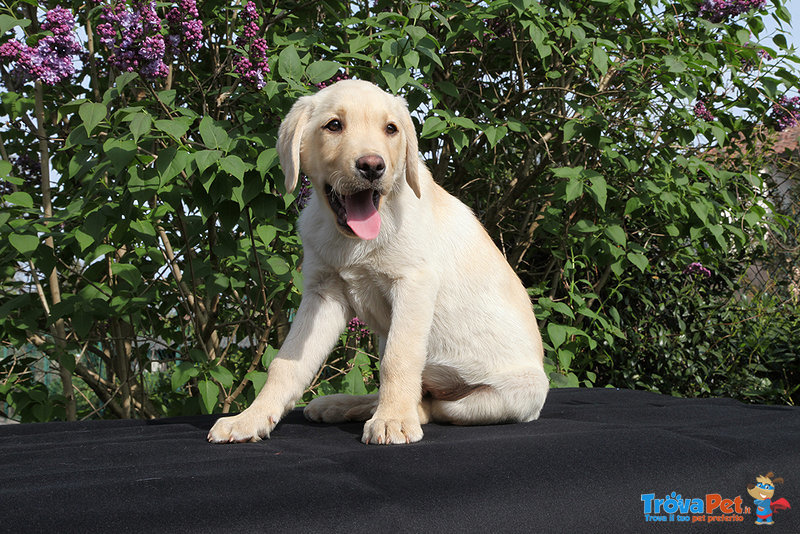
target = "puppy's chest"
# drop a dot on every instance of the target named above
(369, 292)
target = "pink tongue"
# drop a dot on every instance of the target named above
(362, 217)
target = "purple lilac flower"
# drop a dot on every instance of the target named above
(24, 167)
(786, 112)
(27, 168)
(132, 32)
(50, 60)
(253, 67)
(185, 27)
(305, 192)
(697, 268)
(701, 112)
(720, 10)
(337, 78)
(357, 328)
(133, 35)
(250, 12)
(495, 29)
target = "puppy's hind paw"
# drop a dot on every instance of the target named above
(340, 408)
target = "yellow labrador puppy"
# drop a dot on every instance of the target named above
(384, 242)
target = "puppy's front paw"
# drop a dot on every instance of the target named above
(392, 430)
(250, 425)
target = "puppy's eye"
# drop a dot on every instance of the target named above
(391, 128)
(334, 125)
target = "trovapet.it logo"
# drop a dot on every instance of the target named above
(712, 507)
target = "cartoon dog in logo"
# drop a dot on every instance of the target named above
(762, 492)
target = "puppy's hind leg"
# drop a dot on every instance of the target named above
(341, 408)
(513, 398)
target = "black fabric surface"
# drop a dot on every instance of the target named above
(582, 467)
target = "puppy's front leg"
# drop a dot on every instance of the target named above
(320, 319)
(396, 419)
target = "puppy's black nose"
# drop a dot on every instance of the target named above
(371, 167)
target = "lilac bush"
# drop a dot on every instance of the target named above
(583, 139)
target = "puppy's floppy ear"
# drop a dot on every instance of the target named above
(412, 146)
(290, 136)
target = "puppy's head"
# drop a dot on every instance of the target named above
(356, 143)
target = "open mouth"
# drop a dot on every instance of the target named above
(357, 213)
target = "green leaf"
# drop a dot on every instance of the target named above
(19, 198)
(120, 152)
(600, 190)
(173, 128)
(269, 354)
(206, 158)
(170, 163)
(743, 36)
(416, 33)
(233, 165)
(24, 243)
(209, 393)
(701, 209)
(266, 233)
(91, 114)
(266, 160)
(574, 189)
(395, 78)
(494, 134)
(616, 233)
(223, 376)
(7, 22)
(353, 381)
(565, 358)
(229, 213)
(143, 228)
(278, 265)
(213, 136)
(674, 64)
(127, 272)
(557, 334)
(783, 14)
(571, 129)
(258, 378)
(84, 240)
(639, 260)
(320, 71)
(183, 372)
(140, 125)
(433, 127)
(290, 67)
(600, 59)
